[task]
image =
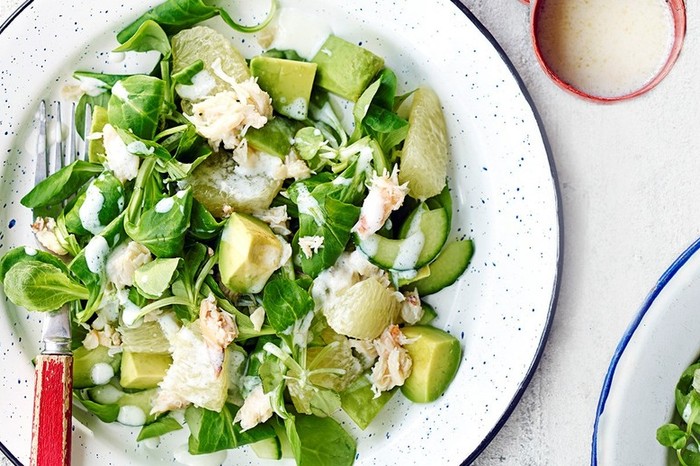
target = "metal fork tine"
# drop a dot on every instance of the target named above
(86, 132)
(71, 146)
(42, 155)
(58, 145)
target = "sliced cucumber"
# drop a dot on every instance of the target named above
(269, 448)
(419, 243)
(446, 268)
(92, 367)
(135, 408)
(284, 440)
(429, 314)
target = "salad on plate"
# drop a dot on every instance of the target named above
(246, 248)
(682, 434)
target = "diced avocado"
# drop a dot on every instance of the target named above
(93, 367)
(96, 148)
(447, 267)
(359, 403)
(420, 241)
(249, 252)
(436, 356)
(143, 370)
(346, 69)
(288, 82)
(275, 137)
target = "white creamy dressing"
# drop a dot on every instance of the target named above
(309, 205)
(131, 416)
(29, 251)
(297, 109)
(298, 30)
(130, 311)
(140, 148)
(605, 48)
(89, 211)
(119, 91)
(123, 163)
(202, 85)
(96, 253)
(91, 86)
(164, 205)
(107, 394)
(101, 373)
(411, 246)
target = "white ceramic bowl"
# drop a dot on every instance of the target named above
(638, 393)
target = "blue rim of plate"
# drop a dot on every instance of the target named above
(560, 224)
(629, 333)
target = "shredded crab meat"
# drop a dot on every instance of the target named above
(106, 336)
(256, 409)
(44, 229)
(218, 330)
(393, 364)
(411, 308)
(385, 195)
(123, 262)
(276, 217)
(310, 245)
(225, 117)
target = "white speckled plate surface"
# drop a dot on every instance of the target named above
(638, 393)
(504, 190)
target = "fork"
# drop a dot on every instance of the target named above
(52, 417)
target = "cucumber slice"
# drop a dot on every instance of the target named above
(269, 448)
(446, 268)
(429, 314)
(420, 241)
(93, 367)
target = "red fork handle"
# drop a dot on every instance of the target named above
(51, 425)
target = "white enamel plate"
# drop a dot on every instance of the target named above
(504, 190)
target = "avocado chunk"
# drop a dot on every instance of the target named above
(249, 252)
(143, 370)
(289, 83)
(275, 137)
(346, 69)
(93, 367)
(436, 356)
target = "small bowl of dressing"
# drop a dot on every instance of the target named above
(607, 50)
